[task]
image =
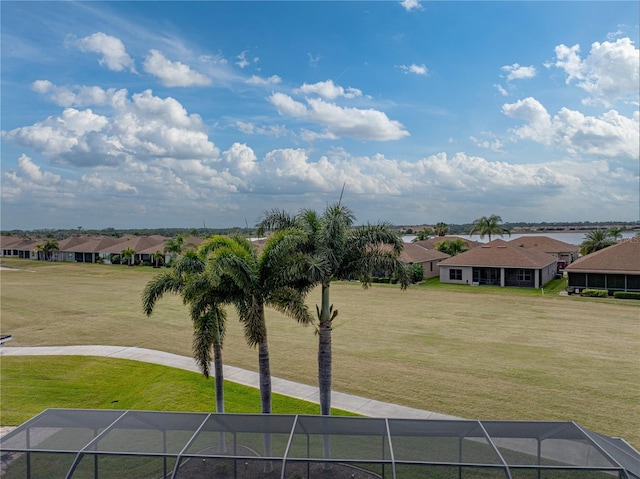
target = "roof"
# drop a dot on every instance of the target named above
(622, 257)
(414, 253)
(499, 253)
(544, 243)
(431, 242)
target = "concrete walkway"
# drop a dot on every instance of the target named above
(346, 402)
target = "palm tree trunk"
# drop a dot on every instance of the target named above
(324, 367)
(265, 395)
(324, 353)
(219, 385)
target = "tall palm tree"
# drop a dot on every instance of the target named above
(46, 248)
(423, 234)
(486, 226)
(596, 240)
(254, 281)
(334, 249)
(205, 298)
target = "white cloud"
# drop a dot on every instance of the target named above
(329, 90)
(609, 73)
(113, 52)
(415, 69)
(242, 60)
(249, 128)
(519, 72)
(144, 127)
(78, 96)
(501, 89)
(352, 122)
(493, 145)
(409, 5)
(272, 80)
(173, 74)
(610, 135)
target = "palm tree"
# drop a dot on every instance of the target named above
(46, 249)
(174, 246)
(205, 298)
(452, 247)
(488, 226)
(441, 229)
(335, 250)
(255, 281)
(422, 235)
(158, 258)
(596, 240)
(127, 255)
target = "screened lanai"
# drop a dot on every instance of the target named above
(75, 443)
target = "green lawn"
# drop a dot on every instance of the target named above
(31, 384)
(473, 352)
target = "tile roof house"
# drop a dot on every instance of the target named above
(499, 263)
(562, 251)
(413, 253)
(615, 268)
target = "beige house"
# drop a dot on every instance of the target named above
(413, 253)
(616, 268)
(562, 251)
(499, 263)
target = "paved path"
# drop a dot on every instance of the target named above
(346, 402)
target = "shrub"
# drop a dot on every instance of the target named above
(595, 293)
(417, 273)
(626, 295)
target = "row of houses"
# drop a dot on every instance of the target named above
(94, 249)
(531, 262)
(525, 262)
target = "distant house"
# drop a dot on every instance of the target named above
(17, 247)
(499, 263)
(616, 268)
(562, 251)
(412, 253)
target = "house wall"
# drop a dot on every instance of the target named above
(431, 269)
(466, 276)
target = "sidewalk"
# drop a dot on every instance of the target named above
(346, 402)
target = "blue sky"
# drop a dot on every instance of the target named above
(179, 114)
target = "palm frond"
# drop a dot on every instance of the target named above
(166, 282)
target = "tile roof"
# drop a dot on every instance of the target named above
(544, 243)
(622, 257)
(499, 253)
(414, 253)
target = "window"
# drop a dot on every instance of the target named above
(455, 274)
(523, 275)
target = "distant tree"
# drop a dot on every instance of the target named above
(422, 235)
(615, 233)
(452, 247)
(174, 247)
(158, 258)
(441, 229)
(597, 240)
(486, 226)
(46, 248)
(127, 255)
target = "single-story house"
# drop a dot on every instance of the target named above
(562, 251)
(499, 263)
(18, 247)
(615, 268)
(413, 253)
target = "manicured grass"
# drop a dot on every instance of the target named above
(31, 384)
(473, 352)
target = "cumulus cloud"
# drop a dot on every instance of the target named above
(493, 144)
(329, 90)
(144, 127)
(409, 5)
(339, 121)
(610, 135)
(114, 55)
(173, 74)
(77, 96)
(519, 72)
(415, 69)
(609, 73)
(256, 80)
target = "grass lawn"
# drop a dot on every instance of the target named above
(31, 384)
(474, 352)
